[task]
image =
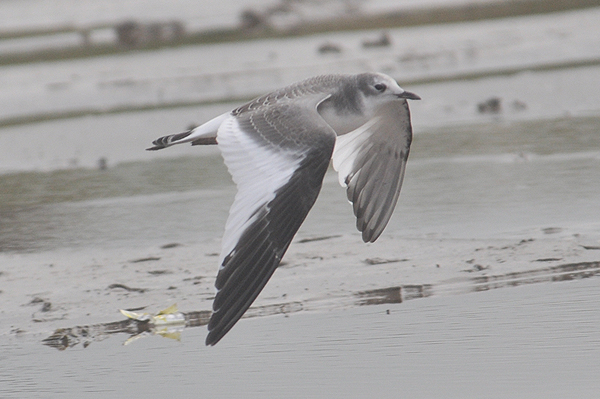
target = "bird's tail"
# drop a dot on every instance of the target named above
(205, 134)
(167, 141)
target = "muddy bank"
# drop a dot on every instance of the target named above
(405, 17)
(52, 291)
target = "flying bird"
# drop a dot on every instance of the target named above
(277, 149)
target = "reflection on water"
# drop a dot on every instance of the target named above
(396, 294)
(573, 271)
(64, 338)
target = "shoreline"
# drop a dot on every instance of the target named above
(42, 117)
(436, 15)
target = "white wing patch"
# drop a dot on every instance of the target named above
(348, 147)
(258, 173)
(208, 129)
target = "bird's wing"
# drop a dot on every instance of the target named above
(371, 161)
(277, 156)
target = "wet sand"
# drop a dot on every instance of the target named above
(63, 289)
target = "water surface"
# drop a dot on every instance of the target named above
(538, 341)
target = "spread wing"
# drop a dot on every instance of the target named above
(371, 161)
(277, 157)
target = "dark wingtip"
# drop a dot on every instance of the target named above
(210, 341)
(214, 337)
(217, 329)
(370, 235)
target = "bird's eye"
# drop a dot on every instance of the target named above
(380, 87)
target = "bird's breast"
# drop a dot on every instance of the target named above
(343, 122)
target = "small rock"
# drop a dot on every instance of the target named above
(326, 48)
(492, 105)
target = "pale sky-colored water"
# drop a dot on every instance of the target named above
(537, 341)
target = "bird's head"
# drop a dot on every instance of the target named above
(380, 88)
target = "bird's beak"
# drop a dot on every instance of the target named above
(408, 95)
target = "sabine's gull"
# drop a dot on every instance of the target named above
(277, 149)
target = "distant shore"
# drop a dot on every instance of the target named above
(77, 113)
(402, 18)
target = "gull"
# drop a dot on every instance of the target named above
(277, 149)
